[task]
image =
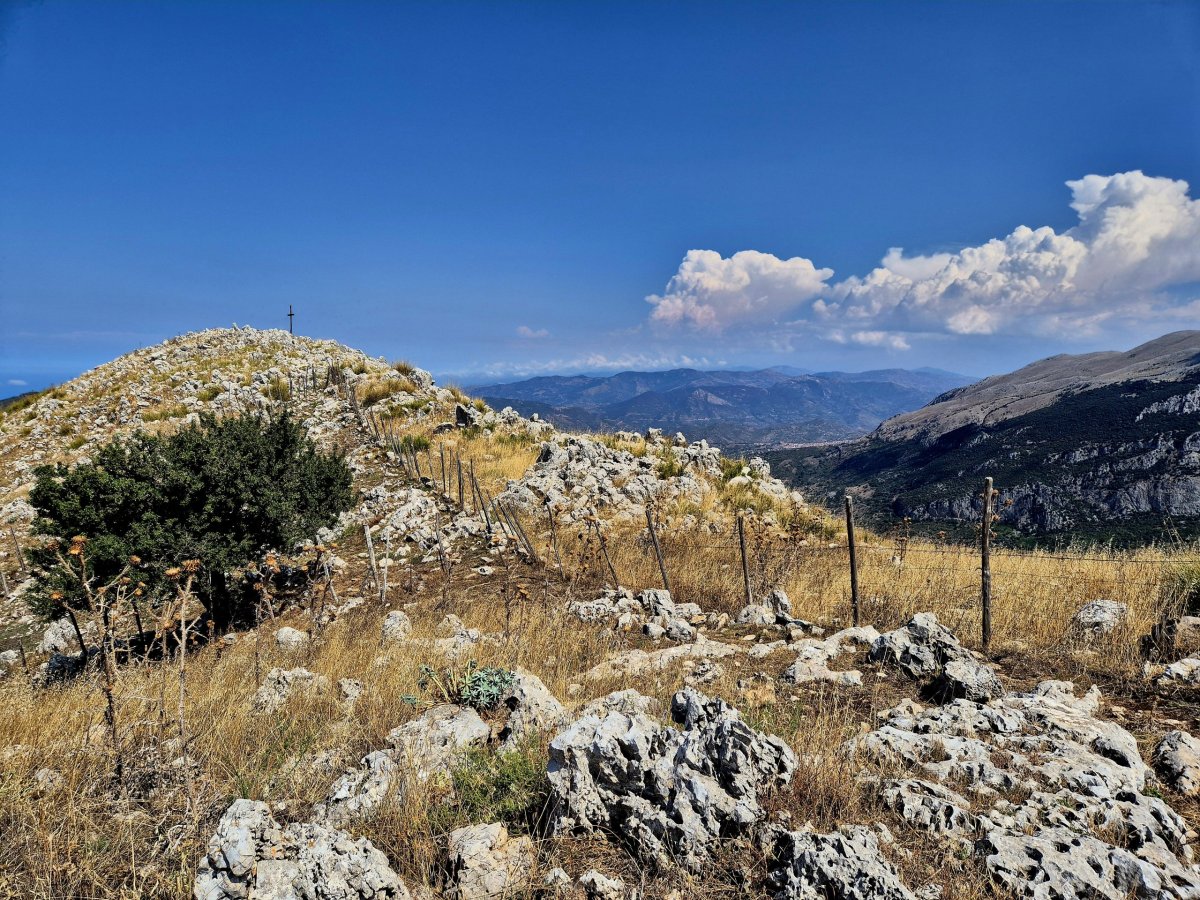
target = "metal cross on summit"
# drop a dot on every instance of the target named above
(291, 316)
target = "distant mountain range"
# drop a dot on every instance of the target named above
(1100, 445)
(734, 409)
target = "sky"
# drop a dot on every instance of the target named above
(502, 189)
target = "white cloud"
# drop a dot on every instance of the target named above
(712, 293)
(1133, 256)
(18, 382)
(526, 332)
(601, 362)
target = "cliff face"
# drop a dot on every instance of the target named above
(1083, 450)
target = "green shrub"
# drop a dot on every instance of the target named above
(278, 389)
(414, 443)
(221, 491)
(502, 787)
(209, 393)
(669, 466)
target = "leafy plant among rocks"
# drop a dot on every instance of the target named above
(220, 490)
(479, 688)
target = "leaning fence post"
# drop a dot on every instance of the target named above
(371, 559)
(20, 556)
(985, 568)
(662, 566)
(854, 605)
(741, 529)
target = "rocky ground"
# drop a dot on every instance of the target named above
(619, 743)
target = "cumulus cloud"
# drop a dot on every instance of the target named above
(526, 332)
(1134, 255)
(712, 293)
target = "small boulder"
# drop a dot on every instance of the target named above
(1100, 617)
(1177, 761)
(397, 626)
(844, 865)
(281, 684)
(601, 887)
(485, 862)
(287, 638)
(920, 649)
(968, 679)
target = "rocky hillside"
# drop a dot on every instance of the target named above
(491, 696)
(1105, 445)
(736, 409)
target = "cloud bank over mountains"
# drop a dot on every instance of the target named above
(1133, 256)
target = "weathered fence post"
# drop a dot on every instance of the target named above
(17, 549)
(741, 529)
(371, 560)
(854, 603)
(662, 566)
(985, 568)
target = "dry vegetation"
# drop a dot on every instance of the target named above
(89, 840)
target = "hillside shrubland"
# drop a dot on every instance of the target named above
(418, 669)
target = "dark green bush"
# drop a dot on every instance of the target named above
(221, 491)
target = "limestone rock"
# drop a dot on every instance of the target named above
(250, 857)
(600, 887)
(670, 793)
(813, 657)
(432, 741)
(637, 662)
(1100, 617)
(486, 863)
(531, 709)
(287, 638)
(1177, 761)
(844, 865)
(920, 649)
(281, 684)
(396, 626)
(969, 679)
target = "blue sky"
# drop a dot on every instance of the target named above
(520, 188)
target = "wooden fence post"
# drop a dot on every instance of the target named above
(741, 529)
(854, 602)
(662, 566)
(985, 568)
(371, 560)
(20, 556)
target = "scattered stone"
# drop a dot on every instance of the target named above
(601, 887)
(1177, 761)
(250, 856)
(59, 637)
(47, 781)
(397, 626)
(1100, 617)
(432, 741)
(287, 638)
(486, 863)
(928, 806)
(281, 684)
(670, 793)
(844, 865)
(628, 701)
(1182, 672)
(638, 662)
(812, 660)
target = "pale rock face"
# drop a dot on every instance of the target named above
(396, 626)
(920, 649)
(531, 709)
(813, 657)
(250, 857)
(1183, 672)
(288, 638)
(59, 637)
(281, 684)
(600, 887)
(426, 747)
(637, 662)
(1177, 760)
(1080, 779)
(844, 865)
(670, 793)
(486, 863)
(1100, 617)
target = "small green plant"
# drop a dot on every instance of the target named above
(277, 389)
(479, 688)
(503, 787)
(404, 367)
(732, 468)
(669, 466)
(373, 391)
(76, 442)
(414, 443)
(210, 393)
(173, 411)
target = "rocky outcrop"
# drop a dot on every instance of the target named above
(844, 865)
(1058, 794)
(638, 662)
(251, 856)
(814, 656)
(670, 793)
(1099, 617)
(531, 709)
